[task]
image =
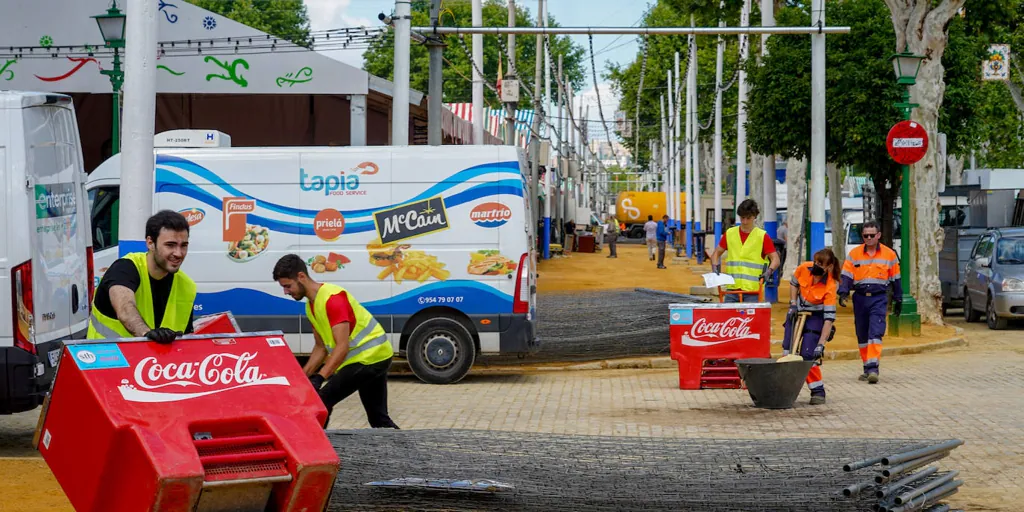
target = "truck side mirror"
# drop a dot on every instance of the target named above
(984, 262)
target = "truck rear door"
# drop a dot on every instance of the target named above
(59, 227)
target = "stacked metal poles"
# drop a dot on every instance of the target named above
(899, 488)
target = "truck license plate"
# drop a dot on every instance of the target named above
(54, 356)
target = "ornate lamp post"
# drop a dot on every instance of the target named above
(111, 26)
(906, 65)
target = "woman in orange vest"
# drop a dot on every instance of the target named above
(813, 289)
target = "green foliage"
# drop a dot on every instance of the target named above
(661, 58)
(286, 19)
(458, 70)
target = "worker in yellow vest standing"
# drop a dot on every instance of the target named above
(145, 294)
(747, 248)
(360, 362)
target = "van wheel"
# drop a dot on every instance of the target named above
(970, 315)
(994, 321)
(441, 351)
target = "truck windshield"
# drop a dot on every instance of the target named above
(1010, 251)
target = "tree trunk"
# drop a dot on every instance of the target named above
(835, 197)
(756, 184)
(923, 30)
(956, 169)
(796, 207)
(707, 166)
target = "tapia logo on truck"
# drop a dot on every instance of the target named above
(411, 220)
(216, 373)
(490, 215)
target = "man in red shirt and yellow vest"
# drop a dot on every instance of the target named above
(813, 290)
(356, 348)
(746, 248)
(870, 271)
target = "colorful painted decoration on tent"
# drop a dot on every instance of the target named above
(209, 23)
(6, 72)
(997, 65)
(80, 62)
(46, 41)
(299, 77)
(232, 70)
(169, 70)
(171, 18)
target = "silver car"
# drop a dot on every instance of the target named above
(994, 278)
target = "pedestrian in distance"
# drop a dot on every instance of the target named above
(870, 271)
(746, 248)
(352, 351)
(612, 236)
(145, 294)
(651, 236)
(664, 237)
(813, 289)
(570, 235)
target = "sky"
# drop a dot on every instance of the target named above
(327, 14)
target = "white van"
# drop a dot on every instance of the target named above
(45, 249)
(434, 241)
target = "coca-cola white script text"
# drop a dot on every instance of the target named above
(732, 329)
(214, 369)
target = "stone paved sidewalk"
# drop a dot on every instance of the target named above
(973, 395)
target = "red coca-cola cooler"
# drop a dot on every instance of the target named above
(206, 423)
(707, 339)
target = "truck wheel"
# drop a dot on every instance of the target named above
(441, 351)
(994, 321)
(970, 315)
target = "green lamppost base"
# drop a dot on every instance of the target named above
(908, 323)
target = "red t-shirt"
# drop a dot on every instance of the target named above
(767, 247)
(339, 310)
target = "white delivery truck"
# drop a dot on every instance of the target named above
(434, 241)
(45, 248)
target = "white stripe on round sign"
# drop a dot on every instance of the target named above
(911, 142)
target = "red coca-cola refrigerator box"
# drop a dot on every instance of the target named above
(209, 422)
(706, 339)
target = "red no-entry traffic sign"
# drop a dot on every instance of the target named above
(907, 142)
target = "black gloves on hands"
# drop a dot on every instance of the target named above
(316, 380)
(716, 269)
(819, 351)
(163, 335)
(897, 307)
(766, 276)
(842, 299)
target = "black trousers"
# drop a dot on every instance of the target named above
(371, 381)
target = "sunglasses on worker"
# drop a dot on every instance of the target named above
(869, 235)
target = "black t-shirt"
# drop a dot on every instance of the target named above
(570, 228)
(123, 272)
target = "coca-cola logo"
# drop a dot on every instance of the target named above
(221, 372)
(704, 333)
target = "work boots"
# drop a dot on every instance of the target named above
(872, 378)
(817, 399)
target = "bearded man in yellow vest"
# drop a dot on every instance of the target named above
(746, 248)
(354, 349)
(145, 294)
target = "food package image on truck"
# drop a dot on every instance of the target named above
(433, 241)
(45, 248)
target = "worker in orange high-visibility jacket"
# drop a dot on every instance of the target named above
(813, 289)
(869, 272)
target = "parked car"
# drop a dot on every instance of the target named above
(994, 277)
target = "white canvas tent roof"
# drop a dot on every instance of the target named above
(34, 23)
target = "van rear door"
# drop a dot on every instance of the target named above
(58, 221)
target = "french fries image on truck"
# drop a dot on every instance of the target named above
(403, 264)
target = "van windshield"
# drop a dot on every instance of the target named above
(103, 208)
(1010, 251)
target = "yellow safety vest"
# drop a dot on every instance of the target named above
(743, 261)
(367, 341)
(176, 314)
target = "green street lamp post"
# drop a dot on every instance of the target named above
(906, 65)
(111, 26)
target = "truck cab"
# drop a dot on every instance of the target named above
(46, 246)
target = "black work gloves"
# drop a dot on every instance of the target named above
(316, 380)
(163, 335)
